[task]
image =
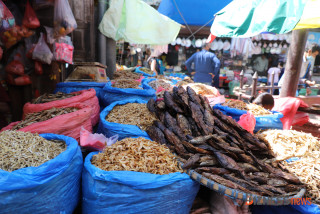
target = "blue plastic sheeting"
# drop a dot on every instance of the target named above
(262, 122)
(68, 87)
(144, 73)
(111, 94)
(292, 209)
(123, 130)
(53, 187)
(135, 192)
(197, 13)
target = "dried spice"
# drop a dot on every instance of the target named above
(253, 108)
(133, 114)
(22, 149)
(126, 83)
(43, 116)
(45, 98)
(126, 75)
(146, 70)
(139, 155)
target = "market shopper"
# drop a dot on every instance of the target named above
(260, 64)
(206, 66)
(265, 100)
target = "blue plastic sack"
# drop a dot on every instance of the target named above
(111, 94)
(135, 192)
(292, 209)
(69, 87)
(144, 73)
(53, 187)
(123, 130)
(263, 122)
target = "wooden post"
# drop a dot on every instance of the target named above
(294, 62)
(241, 84)
(254, 84)
(272, 82)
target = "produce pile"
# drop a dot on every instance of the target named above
(146, 70)
(45, 98)
(253, 108)
(215, 146)
(289, 143)
(22, 149)
(139, 155)
(43, 116)
(136, 114)
(126, 75)
(126, 83)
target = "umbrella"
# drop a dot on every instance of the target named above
(136, 22)
(310, 17)
(247, 18)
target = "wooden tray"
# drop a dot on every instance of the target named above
(237, 194)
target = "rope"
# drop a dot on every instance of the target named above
(192, 35)
(185, 22)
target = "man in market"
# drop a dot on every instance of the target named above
(260, 64)
(207, 66)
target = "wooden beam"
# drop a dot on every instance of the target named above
(294, 62)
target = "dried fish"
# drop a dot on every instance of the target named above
(214, 170)
(45, 98)
(126, 75)
(191, 161)
(126, 83)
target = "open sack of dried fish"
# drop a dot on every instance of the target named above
(145, 174)
(49, 165)
(215, 146)
(66, 121)
(61, 100)
(305, 148)
(127, 118)
(253, 108)
(126, 75)
(126, 83)
(112, 94)
(145, 72)
(159, 85)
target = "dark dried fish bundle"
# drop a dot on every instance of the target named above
(45, 98)
(215, 146)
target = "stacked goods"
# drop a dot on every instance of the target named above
(139, 155)
(37, 117)
(136, 114)
(145, 174)
(289, 143)
(20, 149)
(253, 108)
(126, 75)
(214, 145)
(35, 169)
(126, 83)
(45, 98)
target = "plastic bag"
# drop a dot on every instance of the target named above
(135, 192)
(248, 122)
(63, 50)
(15, 67)
(6, 18)
(30, 19)
(67, 124)
(95, 141)
(22, 80)
(64, 21)
(50, 36)
(123, 130)
(42, 51)
(85, 97)
(52, 186)
(111, 94)
(15, 34)
(38, 68)
(144, 73)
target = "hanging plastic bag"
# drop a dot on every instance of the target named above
(22, 80)
(15, 67)
(50, 36)
(42, 51)
(64, 21)
(30, 19)
(95, 141)
(6, 18)
(63, 50)
(38, 68)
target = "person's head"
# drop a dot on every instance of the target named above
(266, 100)
(206, 46)
(280, 65)
(264, 56)
(312, 50)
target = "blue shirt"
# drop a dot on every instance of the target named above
(205, 62)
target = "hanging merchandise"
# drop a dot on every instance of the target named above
(14, 34)
(6, 18)
(63, 50)
(64, 21)
(22, 80)
(42, 51)
(38, 68)
(15, 67)
(30, 19)
(50, 36)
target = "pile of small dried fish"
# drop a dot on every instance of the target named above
(22, 149)
(126, 83)
(203, 89)
(289, 143)
(146, 70)
(155, 84)
(133, 114)
(45, 98)
(139, 155)
(43, 116)
(216, 146)
(126, 75)
(253, 108)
